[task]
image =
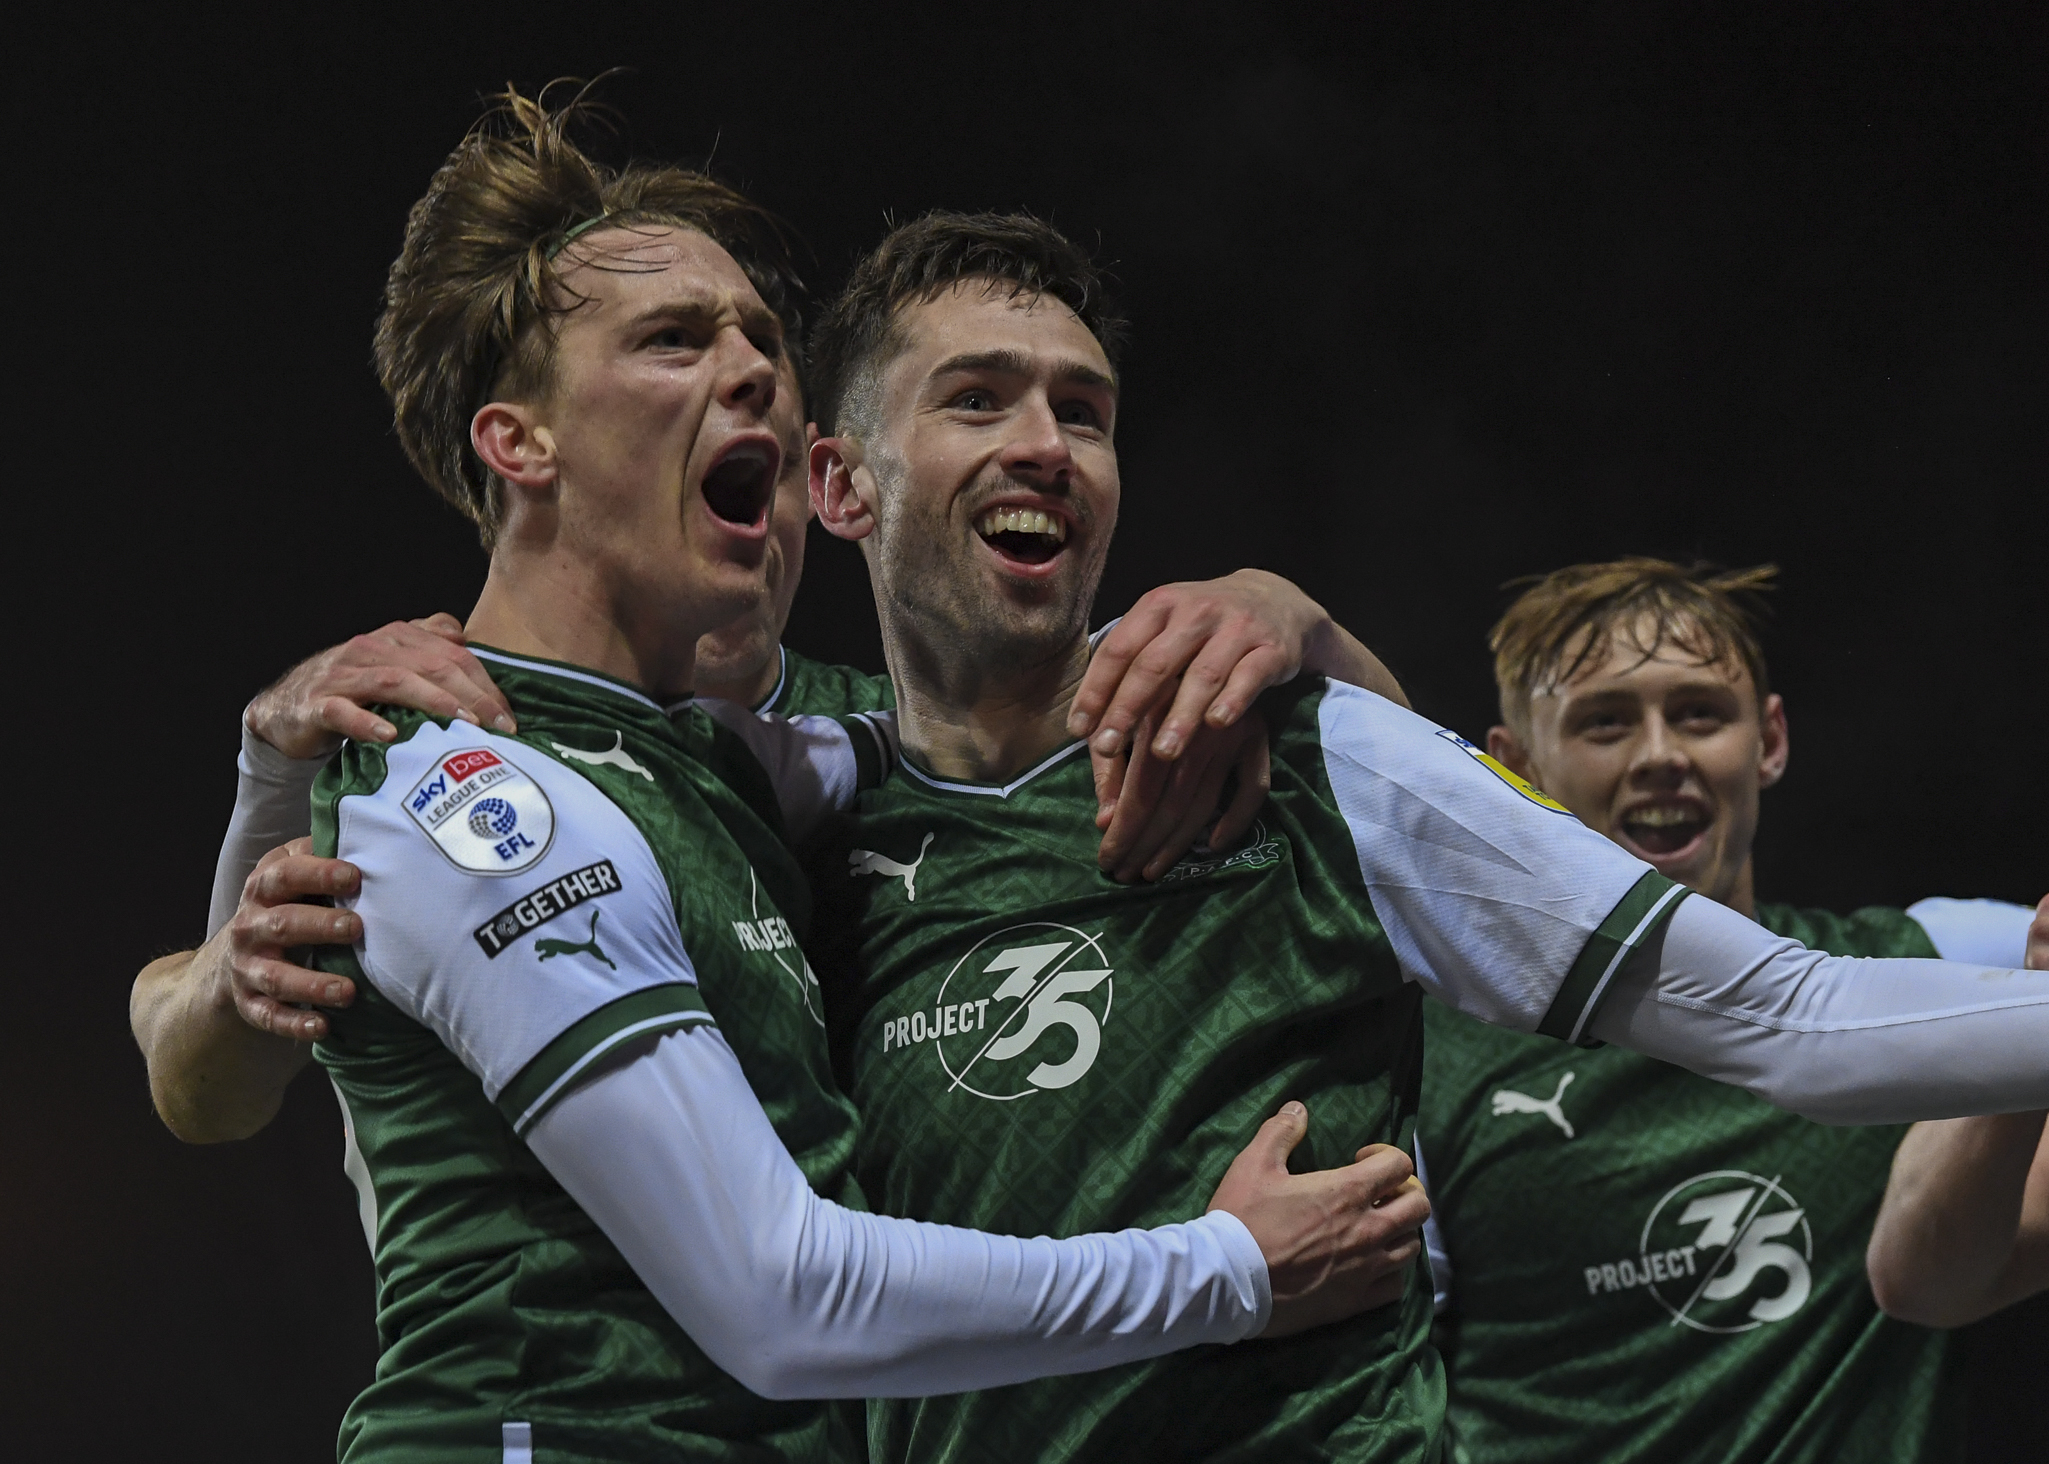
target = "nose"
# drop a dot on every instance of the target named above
(1036, 450)
(747, 376)
(1658, 759)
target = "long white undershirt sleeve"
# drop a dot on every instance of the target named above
(1837, 1039)
(800, 1298)
(273, 806)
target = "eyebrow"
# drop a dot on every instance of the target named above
(697, 308)
(1019, 363)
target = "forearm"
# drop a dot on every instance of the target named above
(212, 1076)
(1833, 1038)
(798, 1297)
(1943, 1252)
(1335, 652)
(272, 807)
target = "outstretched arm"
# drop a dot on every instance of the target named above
(1464, 861)
(1964, 1230)
(798, 1297)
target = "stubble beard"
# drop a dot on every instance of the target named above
(961, 629)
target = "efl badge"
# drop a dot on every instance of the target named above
(482, 812)
(1523, 786)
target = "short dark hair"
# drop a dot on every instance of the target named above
(859, 332)
(1569, 618)
(471, 300)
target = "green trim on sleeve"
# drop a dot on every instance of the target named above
(1648, 905)
(670, 1007)
(872, 756)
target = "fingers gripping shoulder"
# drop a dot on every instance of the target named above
(1491, 893)
(513, 910)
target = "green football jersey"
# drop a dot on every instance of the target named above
(808, 687)
(1647, 1265)
(614, 872)
(1036, 1049)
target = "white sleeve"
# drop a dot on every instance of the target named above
(1976, 932)
(1494, 897)
(817, 764)
(1434, 1248)
(1835, 1038)
(801, 1298)
(273, 806)
(520, 915)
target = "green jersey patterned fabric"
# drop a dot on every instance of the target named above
(1036, 1049)
(808, 686)
(503, 1313)
(1649, 1266)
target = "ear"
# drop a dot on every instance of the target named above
(514, 445)
(1504, 749)
(1777, 740)
(841, 488)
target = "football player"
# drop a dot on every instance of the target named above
(1633, 1263)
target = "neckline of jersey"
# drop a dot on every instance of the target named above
(782, 679)
(987, 790)
(567, 672)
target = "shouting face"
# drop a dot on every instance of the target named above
(991, 477)
(653, 453)
(1664, 754)
(739, 660)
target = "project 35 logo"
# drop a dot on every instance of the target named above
(1725, 1251)
(1022, 1012)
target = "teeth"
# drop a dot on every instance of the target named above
(1664, 816)
(1021, 521)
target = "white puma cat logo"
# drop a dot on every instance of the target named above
(1509, 1101)
(867, 861)
(616, 756)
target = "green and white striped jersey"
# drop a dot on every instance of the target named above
(1649, 1266)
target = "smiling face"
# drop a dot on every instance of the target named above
(994, 475)
(661, 415)
(1665, 755)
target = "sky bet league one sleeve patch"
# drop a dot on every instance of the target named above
(1523, 786)
(483, 813)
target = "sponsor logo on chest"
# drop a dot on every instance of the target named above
(482, 812)
(1022, 1012)
(1726, 1251)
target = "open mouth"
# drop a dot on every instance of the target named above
(1665, 828)
(1027, 535)
(741, 484)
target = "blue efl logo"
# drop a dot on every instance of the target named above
(493, 818)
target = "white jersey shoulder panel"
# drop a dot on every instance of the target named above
(497, 962)
(1488, 891)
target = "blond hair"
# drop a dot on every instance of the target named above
(1568, 620)
(470, 302)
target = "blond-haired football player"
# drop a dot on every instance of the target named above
(1634, 1263)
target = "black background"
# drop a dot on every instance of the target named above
(1420, 307)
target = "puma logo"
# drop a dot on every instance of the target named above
(550, 949)
(867, 861)
(1509, 1101)
(614, 756)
